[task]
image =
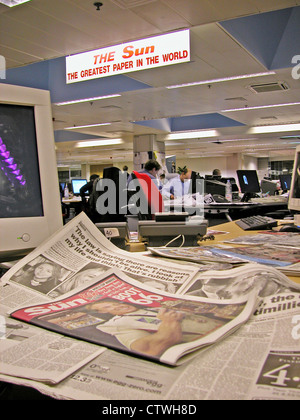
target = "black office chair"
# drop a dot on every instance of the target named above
(108, 201)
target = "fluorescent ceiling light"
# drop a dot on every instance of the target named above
(78, 101)
(75, 127)
(192, 135)
(274, 128)
(12, 3)
(94, 143)
(249, 108)
(224, 79)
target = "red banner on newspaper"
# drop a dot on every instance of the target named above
(112, 287)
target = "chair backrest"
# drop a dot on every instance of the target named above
(151, 194)
(98, 209)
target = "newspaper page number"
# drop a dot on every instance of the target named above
(281, 376)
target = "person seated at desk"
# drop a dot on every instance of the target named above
(151, 168)
(178, 186)
(217, 173)
(87, 189)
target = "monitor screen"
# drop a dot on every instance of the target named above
(294, 197)
(248, 181)
(285, 182)
(30, 206)
(77, 184)
(20, 188)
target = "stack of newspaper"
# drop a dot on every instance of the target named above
(82, 319)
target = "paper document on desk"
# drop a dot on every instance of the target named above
(120, 313)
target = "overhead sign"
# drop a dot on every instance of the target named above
(158, 51)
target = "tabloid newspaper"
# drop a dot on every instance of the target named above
(259, 361)
(117, 312)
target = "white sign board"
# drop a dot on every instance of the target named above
(158, 51)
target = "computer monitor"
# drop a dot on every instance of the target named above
(285, 182)
(249, 183)
(294, 198)
(77, 184)
(30, 204)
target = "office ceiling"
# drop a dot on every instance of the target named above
(228, 38)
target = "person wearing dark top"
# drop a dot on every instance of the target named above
(87, 189)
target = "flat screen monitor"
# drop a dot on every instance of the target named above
(248, 181)
(285, 182)
(294, 197)
(77, 184)
(30, 206)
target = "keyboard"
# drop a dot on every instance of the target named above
(257, 223)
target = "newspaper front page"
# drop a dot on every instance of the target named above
(78, 253)
(259, 361)
(118, 312)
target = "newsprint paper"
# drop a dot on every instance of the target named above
(259, 361)
(116, 312)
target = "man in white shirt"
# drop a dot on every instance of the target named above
(179, 186)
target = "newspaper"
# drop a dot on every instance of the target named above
(31, 352)
(260, 361)
(78, 253)
(290, 239)
(280, 257)
(199, 254)
(121, 313)
(280, 243)
(238, 282)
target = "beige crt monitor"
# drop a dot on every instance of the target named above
(30, 205)
(294, 197)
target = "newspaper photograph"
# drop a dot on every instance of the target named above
(117, 312)
(238, 282)
(78, 253)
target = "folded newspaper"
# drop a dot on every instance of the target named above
(120, 313)
(284, 258)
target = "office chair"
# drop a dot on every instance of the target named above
(106, 203)
(150, 199)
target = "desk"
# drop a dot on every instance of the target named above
(218, 213)
(235, 231)
(74, 202)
